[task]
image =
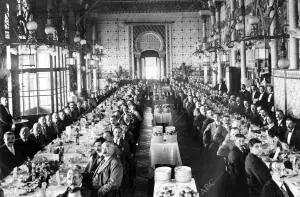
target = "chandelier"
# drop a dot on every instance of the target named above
(258, 24)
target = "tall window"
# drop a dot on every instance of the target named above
(43, 89)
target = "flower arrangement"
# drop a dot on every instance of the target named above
(166, 191)
(157, 131)
(188, 192)
(171, 130)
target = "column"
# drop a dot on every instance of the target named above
(214, 77)
(78, 66)
(243, 47)
(144, 68)
(162, 67)
(219, 66)
(95, 84)
(273, 43)
(205, 69)
(87, 76)
(138, 67)
(159, 68)
(293, 42)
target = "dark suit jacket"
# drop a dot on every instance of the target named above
(236, 171)
(295, 139)
(254, 95)
(239, 109)
(41, 140)
(236, 160)
(281, 129)
(245, 95)
(5, 122)
(108, 177)
(8, 161)
(206, 122)
(255, 118)
(263, 101)
(58, 129)
(247, 112)
(29, 148)
(257, 173)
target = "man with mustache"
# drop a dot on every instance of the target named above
(75, 186)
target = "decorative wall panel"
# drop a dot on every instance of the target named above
(114, 37)
(185, 33)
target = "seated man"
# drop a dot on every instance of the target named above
(27, 145)
(258, 173)
(292, 135)
(96, 156)
(75, 186)
(10, 155)
(212, 129)
(37, 135)
(74, 111)
(107, 178)
(236, 167)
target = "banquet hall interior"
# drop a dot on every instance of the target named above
(149, 98)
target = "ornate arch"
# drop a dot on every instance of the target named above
(149, 40)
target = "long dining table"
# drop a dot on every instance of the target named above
(282, 176)
(74, 154)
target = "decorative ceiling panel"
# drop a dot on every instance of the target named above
(144, 6)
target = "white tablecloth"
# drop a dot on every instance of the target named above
(164, 153)
(293, 183)
(163, 118)
(178, 186)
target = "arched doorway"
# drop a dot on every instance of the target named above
(151, 69)
(149, 56)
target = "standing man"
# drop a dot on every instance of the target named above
(6, 119)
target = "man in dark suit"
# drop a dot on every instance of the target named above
(254, 94)
(56, 125)
(107, 179)
(6, 119)
(28, 146)
(280, 125)
(254, 116)
(75, 185)
(46, 131)
(37, 135)
(257, 172)
(292, 135)
(95, 158)
(247, 109)
(62, 120)
(263, 98)
(10, 155)
(74, 111)
(239, 109)
(236, 167)
(68, 116)
(245, 94)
